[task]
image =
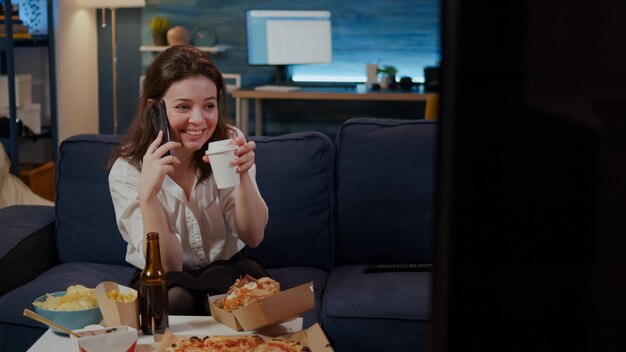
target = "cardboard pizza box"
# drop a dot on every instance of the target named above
(313, 337)
(281, 307)
(115, 313)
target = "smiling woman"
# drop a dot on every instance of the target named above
(192, 111)
(202, 228)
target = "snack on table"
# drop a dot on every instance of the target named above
(77, 297)
(248, 343)
(115, 294)
(247, 290)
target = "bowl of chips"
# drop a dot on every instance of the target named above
(73, 308)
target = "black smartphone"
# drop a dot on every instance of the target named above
(160, 122)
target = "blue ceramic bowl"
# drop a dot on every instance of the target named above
(70, 319)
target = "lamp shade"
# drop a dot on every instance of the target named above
(99, 4)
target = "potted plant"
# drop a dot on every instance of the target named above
(388, 76)
(159, 27)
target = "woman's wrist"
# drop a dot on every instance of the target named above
(146, 198)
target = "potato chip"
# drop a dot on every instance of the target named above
(121, 297)
(77, 297)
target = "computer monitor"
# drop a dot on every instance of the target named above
(286, 37)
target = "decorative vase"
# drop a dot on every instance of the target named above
(178, 36)
(160, 39)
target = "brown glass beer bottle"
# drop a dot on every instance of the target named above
(153, 309)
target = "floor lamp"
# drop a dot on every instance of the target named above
(113, 5)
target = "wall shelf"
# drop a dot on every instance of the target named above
(8, 45)
(207, 49)
(35, 40)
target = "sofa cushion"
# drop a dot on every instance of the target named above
(295, 177)
(58, 278)
(86, 228)
(19, 221)
(394, 295)
(391, 310)
(375, 335)
(385, 191)
(27, 230)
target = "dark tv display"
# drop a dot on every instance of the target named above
(531, 230)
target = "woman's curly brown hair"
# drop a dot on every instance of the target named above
(172, 65)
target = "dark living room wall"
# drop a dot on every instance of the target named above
(384, 31)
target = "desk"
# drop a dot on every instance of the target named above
(243, 97)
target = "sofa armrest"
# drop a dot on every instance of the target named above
(27, 244)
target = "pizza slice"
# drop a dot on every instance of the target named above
(232, 343)
(246, 290)
(187, 344)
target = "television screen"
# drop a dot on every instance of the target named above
(278, 37)
(531, 237)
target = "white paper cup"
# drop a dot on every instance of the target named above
(221, 153)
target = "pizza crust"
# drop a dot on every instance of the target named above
(237, 343)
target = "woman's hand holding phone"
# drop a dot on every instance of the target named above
(156, 164)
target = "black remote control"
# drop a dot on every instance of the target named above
(384, 268)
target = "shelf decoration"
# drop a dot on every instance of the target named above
(159, 27)
(203, 36)
(178, 35)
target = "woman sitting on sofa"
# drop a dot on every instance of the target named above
(202, 228)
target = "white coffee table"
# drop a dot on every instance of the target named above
(183, 325)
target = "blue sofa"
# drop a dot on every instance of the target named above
(334, 208)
